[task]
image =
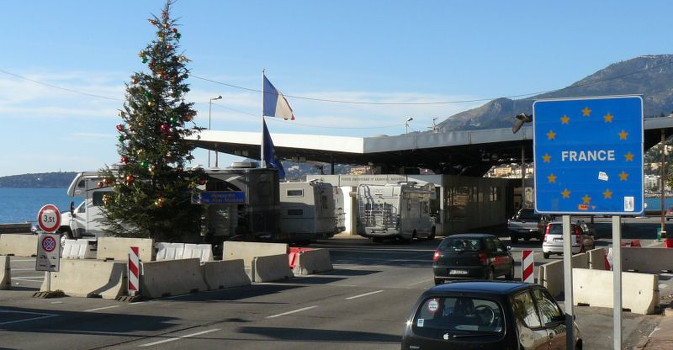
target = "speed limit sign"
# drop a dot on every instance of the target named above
(49, 218)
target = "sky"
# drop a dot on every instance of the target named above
(348, 67)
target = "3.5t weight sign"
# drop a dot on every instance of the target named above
(49, 218)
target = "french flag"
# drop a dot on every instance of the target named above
(275, 104)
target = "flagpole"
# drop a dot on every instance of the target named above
(261, 144)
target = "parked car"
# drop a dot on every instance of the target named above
(583, 238)
(487, 315)
(527, 224)
(669, 213)
(472, 256)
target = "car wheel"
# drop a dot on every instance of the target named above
(438, 281)
(432, 235)
(510, 276)
(514, 239)
(490, 275)
(546, 255)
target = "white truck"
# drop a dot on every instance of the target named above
(395, 211)
(85, 220)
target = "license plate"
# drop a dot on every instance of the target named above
(558, 239)
(458, 272)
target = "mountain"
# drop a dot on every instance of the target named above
(40, 180)
(650, 76)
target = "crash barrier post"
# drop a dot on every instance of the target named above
(668, 243)
(650, 260)
(202, 251)
(225, 274)
(551, 274)
(270, 268)
(18, 244)
(171, 277)
(640, 291)
(247, 251)
(89, 278)
(527, 266)
(133, 271)
(78, 249)
(117, 248)
(310, 261)
(5, 273)
(169, 251)
(597, 259)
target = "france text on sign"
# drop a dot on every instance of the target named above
(222, 197)
(588, 155)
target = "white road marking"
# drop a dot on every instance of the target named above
(292, 312)
(423, 281)
(180, 337)
(364, 295)
(42, 316)
(101, 308)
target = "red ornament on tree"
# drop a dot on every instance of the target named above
(125, 159)
(165, 129)
(120, 127)
(129, 178)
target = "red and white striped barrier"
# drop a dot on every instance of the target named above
(527, 267)
(134, 271)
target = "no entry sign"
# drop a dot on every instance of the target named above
(49, 218)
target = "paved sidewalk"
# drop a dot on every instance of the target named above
(662, 336)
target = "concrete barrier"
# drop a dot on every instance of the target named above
(651, 260)
(117, 248)
(171, 277)
(5, 273)
(313, 261)
(225, 274)
(18, 245)
(640, 291)
(597, 259)
(550, 275)
(270, 268)
(78, 249)
(169, 251)
(202, 251)
(249, 250)
(89, 278)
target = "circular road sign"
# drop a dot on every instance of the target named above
(48, 244)
(49, 218)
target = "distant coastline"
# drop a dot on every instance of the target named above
(59, 179)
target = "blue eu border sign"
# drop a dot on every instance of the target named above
(589, 155)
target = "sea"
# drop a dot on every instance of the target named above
(19, 205)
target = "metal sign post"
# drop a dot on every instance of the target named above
(579, 171)
(617, 281)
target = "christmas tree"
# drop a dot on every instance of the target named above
(151, 195)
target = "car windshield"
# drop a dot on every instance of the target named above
(528, 215)
(557, 229)
(455, 317)
(462, 244)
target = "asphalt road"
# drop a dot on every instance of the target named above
(362, 304)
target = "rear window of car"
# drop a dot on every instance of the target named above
(461, 244)
(528, 215)
(557, 229)
(458, 316)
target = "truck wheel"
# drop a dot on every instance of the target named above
(546, 255)
(66, 232)
(438, 281)
(432, 234)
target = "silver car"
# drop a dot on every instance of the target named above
(582, 238)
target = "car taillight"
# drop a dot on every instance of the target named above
(546, 233)
(435, 258)
(482, 257)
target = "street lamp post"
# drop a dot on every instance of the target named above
(406, 125)
(210, 109)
